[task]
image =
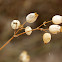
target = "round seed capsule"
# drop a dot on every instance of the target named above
(28, 30)
(15, 24)
(30, 18)
(57, 19)
(46, 38)
(54, 29)
(24, 57)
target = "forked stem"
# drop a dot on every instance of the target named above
(11, 37)
(23, 33)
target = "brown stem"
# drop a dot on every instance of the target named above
(6, 43)
(26, 32)
(22, 33)
(11, 37)
(43, 24)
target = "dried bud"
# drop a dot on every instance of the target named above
(54, 29)
(15, 24)
(28, 30)
(46, 37)
(57, 19)
(30, 18)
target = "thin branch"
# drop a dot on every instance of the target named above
(26, 32)
(43, 24)
(22, 33)
(6, 43)
(12, 37)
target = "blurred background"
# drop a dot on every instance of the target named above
(33, 44)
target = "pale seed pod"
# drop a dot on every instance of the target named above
(30, 18)
(15, 24)
(28, 30)
(24, 57)
(54, 29)
(46, 38)
(57, 19)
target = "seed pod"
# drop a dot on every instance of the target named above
(54, 29)
(30, 18)
(24, 57)
(15, 24)
(28, 30)
(46, 38)
(57, 19)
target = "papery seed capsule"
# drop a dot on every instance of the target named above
(30, 18)
(15, 24)
(54, 29)
(57, 19)
(46, 38)
(24, 57)
(28, 30)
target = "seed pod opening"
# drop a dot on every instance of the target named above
(28, 30)
(30, 18)
(15, 24)
(46, 38)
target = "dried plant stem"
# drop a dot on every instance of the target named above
(11, 37)
(43, 24)
(21, 26)
(26, 32)
(23, 32)
(6, 43)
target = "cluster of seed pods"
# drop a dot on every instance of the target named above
(31, 18)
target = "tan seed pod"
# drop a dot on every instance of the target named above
(30, 18)
(46, 38)
(54, 29)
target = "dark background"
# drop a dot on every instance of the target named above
(33, 44)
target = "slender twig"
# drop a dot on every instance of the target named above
(26, 32)
(11, 37)
(21, 26)
(6, 42)
(43, 24)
